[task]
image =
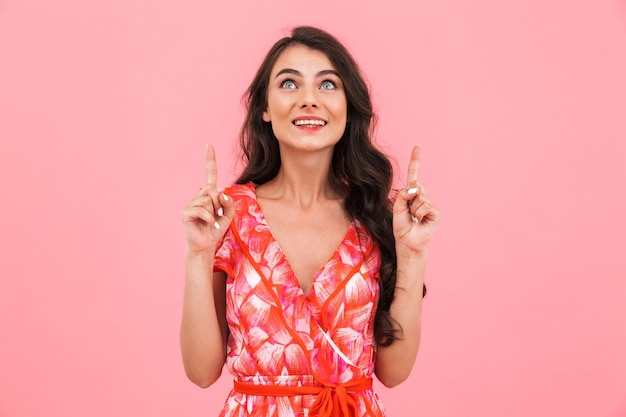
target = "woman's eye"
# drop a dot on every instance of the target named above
(328, 85)
(288, 84)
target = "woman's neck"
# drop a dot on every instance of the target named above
(304, 180)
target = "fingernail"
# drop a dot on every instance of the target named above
(220, 212)
(217, 225)
(412, 190)
(225, 197)
(206, 147)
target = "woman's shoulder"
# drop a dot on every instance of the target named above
(241, 191)
(244, 197)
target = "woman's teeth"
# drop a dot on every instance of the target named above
(309, 123)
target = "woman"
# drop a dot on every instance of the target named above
(303, 277)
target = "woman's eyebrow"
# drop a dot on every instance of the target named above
(289, 71)
(299, 74)
(328, 72)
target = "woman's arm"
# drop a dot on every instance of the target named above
(204, 330)
(395, 362)
(414, 221)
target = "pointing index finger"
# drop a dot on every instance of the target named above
(211, 166)
(414, 165)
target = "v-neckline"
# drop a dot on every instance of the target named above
(292, 276)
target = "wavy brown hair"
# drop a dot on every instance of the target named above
(357, 165)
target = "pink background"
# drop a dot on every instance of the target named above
(520, 106)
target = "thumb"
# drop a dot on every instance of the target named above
(403, 199)
(227, 209)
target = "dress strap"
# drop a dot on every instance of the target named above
(331, 401)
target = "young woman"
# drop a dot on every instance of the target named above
(305, 277)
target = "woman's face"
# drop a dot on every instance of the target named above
(306, 102)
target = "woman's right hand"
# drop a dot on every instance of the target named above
(207, 215)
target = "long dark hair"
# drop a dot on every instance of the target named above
(357, 165)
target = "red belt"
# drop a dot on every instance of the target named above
(331, 401)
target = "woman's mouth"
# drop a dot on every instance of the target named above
(309, 123)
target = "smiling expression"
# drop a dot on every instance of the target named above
(306, 102)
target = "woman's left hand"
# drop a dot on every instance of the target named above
(414, 215)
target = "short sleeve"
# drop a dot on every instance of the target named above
(224, 253)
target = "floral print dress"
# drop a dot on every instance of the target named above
(316, 345)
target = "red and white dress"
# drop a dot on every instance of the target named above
(295, 354)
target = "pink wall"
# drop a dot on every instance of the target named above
(520, 106)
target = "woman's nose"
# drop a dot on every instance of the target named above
(309, 97)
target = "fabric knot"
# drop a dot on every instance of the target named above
(337, 402)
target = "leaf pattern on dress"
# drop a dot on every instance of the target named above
(277, 333)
